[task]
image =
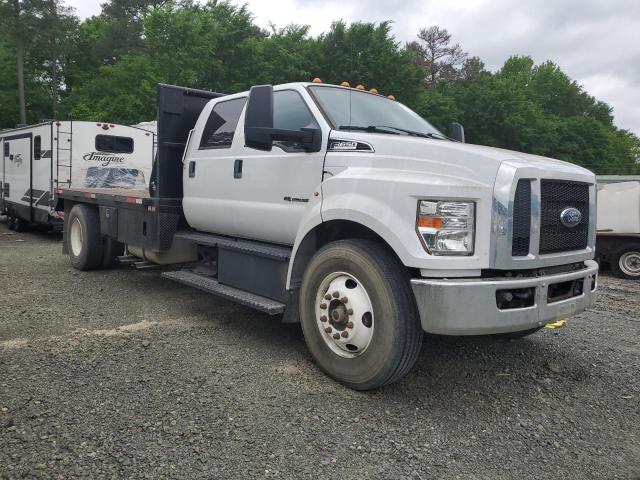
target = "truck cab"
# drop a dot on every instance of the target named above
(350, 213)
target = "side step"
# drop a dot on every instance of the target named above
(268, 250)
(211, 285)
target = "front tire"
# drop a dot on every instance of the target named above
(83, 238)
(625, 262)
(358, 314)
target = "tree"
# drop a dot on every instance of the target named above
(437, 55)
(17, 25)
(367, 53)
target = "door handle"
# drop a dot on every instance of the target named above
(237, 168)
(192, 169)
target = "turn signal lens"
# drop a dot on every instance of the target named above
(429, 222)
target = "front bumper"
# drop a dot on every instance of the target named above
(467, 306)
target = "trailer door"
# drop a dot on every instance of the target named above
(18, 174)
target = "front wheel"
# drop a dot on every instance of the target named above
(358, 314)
(625, 262)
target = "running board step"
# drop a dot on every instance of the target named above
(211, 285)
(268, 250)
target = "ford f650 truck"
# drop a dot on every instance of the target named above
(346, 211)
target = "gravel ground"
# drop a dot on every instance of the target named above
(123, 374)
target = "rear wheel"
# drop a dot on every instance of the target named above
(83, 238)
(625, 261)
(358, 314)
(11, 222)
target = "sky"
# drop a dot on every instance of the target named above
(596, 42)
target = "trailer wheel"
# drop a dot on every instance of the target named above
(358, 314)
(83, 237)
(112, 249)
(11, 222)
(625, 261)
(20, 225)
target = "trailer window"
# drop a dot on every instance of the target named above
(221, 124)
(37, 147)
(114, 144)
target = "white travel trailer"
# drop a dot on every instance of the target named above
(38, 158)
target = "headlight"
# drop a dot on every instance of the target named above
(447, 227)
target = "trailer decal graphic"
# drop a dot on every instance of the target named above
(104, 159)
(35, 195)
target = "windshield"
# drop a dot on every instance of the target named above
(349, 109)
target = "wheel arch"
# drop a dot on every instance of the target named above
(322, 234)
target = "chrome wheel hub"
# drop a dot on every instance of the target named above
(630, 263)
(344, 314)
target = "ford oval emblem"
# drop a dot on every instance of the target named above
(570, 217)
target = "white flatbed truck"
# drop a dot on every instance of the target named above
(344, 210)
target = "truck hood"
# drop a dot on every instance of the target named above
(465, 162)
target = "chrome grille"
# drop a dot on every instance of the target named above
(521, 219)
(556, 195)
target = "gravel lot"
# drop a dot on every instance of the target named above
(123, 374)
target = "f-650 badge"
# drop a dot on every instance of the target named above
(349, 146)
(103, 159)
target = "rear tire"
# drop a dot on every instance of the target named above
(625, 261)
(83, 238)
(374, 314)
(11, 222)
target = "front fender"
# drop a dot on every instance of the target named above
(386, 201)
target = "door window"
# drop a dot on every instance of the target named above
(221, 124)
(37, 147)
(290, 112)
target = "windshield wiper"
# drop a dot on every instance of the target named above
(370, 128)
(390, 129)
(438, 136)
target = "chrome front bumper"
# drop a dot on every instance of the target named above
(467, 306)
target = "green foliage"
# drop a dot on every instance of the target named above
(106, 69)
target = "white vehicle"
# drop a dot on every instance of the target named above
(346, 211)
(618, 238)
(40, 158)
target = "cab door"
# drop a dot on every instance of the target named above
(270, 190)
(208, 202)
